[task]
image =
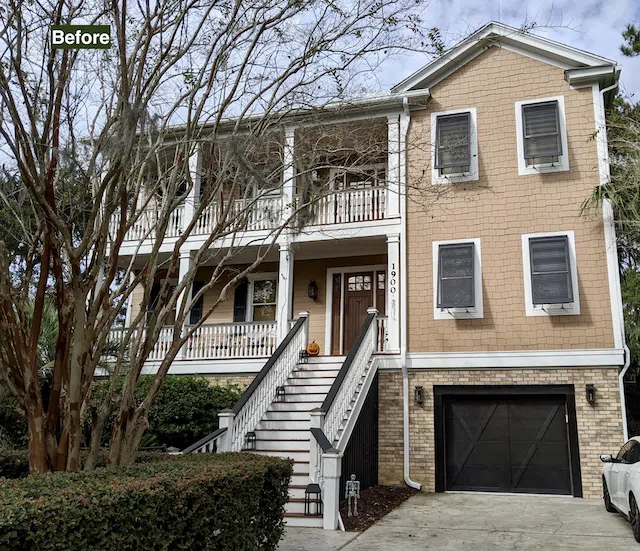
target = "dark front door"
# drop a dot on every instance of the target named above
(358, 297)
(507, 444)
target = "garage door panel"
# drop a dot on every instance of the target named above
(507, 444)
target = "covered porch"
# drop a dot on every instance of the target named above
(305, 277)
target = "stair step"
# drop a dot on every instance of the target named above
(325, 359)
(276, 445)
(280, 415)
(301, 396)
(300, 520)
(294, 406)
(301, 373)
(310, 381)
(281, 435)
(296, 492)
(306, 388)
(297, 508)
(300, 479)
(297, 424)
(298, 455)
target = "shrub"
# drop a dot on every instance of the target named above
(13, 422)
(185, 409)
(197, 502)
(15, 463)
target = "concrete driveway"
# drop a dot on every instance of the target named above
(479, 521)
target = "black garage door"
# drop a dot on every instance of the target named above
(506, 443)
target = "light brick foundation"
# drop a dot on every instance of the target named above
(599, 426)
(243, 381)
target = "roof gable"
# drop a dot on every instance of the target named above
(499, 34)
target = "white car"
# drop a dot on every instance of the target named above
(621, 483)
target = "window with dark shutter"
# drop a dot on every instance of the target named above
(541, 129)
(550, 270)
(453, 143)
(456, 276)
(197, 309)
(154, 296)
(240, 301)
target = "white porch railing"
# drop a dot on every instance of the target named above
(145, 226)
(381, 334)
(232, 340)
(350, 205)
(159, 350)
(245, 214)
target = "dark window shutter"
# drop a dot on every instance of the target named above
(550, 270)
(541, 127)
(453, 140)
(240, 302)
(456, 287)
(197, 309)
(154, 296)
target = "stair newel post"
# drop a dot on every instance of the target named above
(331, 471)
(315, 463)
(374, 333)
(225, 420)
(305, 329)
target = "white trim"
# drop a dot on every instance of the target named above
(563, 163)
(499, 34)
(471, 313)
(597, 357)
(252, 278)
(568, 309)
(220, 368)
(472, 175)
(342, 270)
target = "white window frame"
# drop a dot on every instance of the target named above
(566, 309)
(472, 175)
(252, 278)
(476, 312)
(563, 161)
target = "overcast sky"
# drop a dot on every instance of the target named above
(591, 25)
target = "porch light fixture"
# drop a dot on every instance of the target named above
(304, 357)
(312, 291)
(280, 393)
(313, 497)
(418, 394)
(591, 394)
(250, 441)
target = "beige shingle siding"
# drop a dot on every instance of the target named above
(502, 206)
(599, 426)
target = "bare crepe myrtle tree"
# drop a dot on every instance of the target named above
(103, 143)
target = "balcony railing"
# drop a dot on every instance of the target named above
(215, 341)
(232, 340)
(145, 226)
(245, 214)
(350, 205)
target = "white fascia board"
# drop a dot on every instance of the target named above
(210, 367)
(539, 47)
(588, 75)
(607, 357)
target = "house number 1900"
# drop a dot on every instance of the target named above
(392, 279)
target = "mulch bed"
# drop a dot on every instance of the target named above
(374, 503)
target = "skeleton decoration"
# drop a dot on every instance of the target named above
(352, 494)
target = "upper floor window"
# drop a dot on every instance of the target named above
(541, 136)
(263, 297)
(457, 279)
(455, 146)
(551, 277)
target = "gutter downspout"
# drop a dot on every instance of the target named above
(404, 131)
(609, 221)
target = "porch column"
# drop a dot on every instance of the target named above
(195, 170)
(393, 167)
(185, 266)
(393, 293)
(284, 301)
(288, 173)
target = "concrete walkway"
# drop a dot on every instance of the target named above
(479, 522)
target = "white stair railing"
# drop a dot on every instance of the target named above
(253, 404)
(333, 422)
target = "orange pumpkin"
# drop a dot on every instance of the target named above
(313, 349)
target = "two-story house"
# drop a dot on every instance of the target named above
(493, 358)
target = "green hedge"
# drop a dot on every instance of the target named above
(15, 463)
(231, 501)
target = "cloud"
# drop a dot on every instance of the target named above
(591, 25)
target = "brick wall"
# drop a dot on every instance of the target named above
(243, 381)
(599, 426)
(500, 207)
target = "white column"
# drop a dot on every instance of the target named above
(332, 468)
(225, 420)
(195, 170)
(127, 319)
(284, 301)
(185, 266)
(288, 173)
(393, 167)
(393, 292)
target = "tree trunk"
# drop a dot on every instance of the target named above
(38, 460)
(125, 441)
